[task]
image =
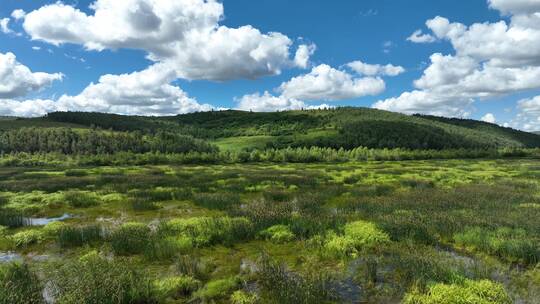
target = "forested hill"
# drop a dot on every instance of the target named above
(335, 128)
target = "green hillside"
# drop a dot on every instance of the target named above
(10, 123)
(334, 128)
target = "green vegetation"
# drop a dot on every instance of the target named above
(343, 205)
(470, 292)
(278, 234)
(19, 285)
(130, 238)
(514, 245)
(357, 236)
(69, 141)
(236, 131)
(357, 230)
(176, 287)
(95, 279)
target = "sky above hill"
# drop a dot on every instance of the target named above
(477, 59)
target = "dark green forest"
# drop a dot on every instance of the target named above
(69, 141)
(340, 128)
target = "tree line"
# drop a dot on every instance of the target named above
(288, 155)
(93, 141)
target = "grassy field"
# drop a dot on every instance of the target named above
(449, 231)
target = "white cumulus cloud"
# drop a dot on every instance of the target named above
(147, 92)
(528, 117)
(490, 60)
(18, 14)
(269, 103)
(17, 80)
(303, 53)
(329, 84)
(375, 69)
(419, 37)
(4, 26)
(26, 108)
(515, 6)
(323, 83)
(489, 117)
(184, 34)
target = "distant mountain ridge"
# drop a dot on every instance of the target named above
(346, 128)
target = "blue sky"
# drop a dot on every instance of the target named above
(373, 32)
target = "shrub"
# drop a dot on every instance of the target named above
(130, 238)
(217, 289)
(70, 236)
(241, 297)
(176, 287)
(470, 292)
(19, 285)
(27, 238)
(94, 279)
(359, 235)
(78, 199)
(278, 234)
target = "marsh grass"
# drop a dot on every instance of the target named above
(130, 238)
(143, 204)
(194, 267)
(217, 289)
(25, 238)
(176, 287)
(219, 201)
(79, 199)
(76, 173)
(285, 286)
(19, 285)
(277, 234)
(163, 248)
(3, 200)
(405, 224)
(12, 218)
(357, 237)
(156, 195)
(218, 216)
(75, 236)
(207, 231)
(513, 245)
(480, 292)
(181, 194)
(94, 279)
